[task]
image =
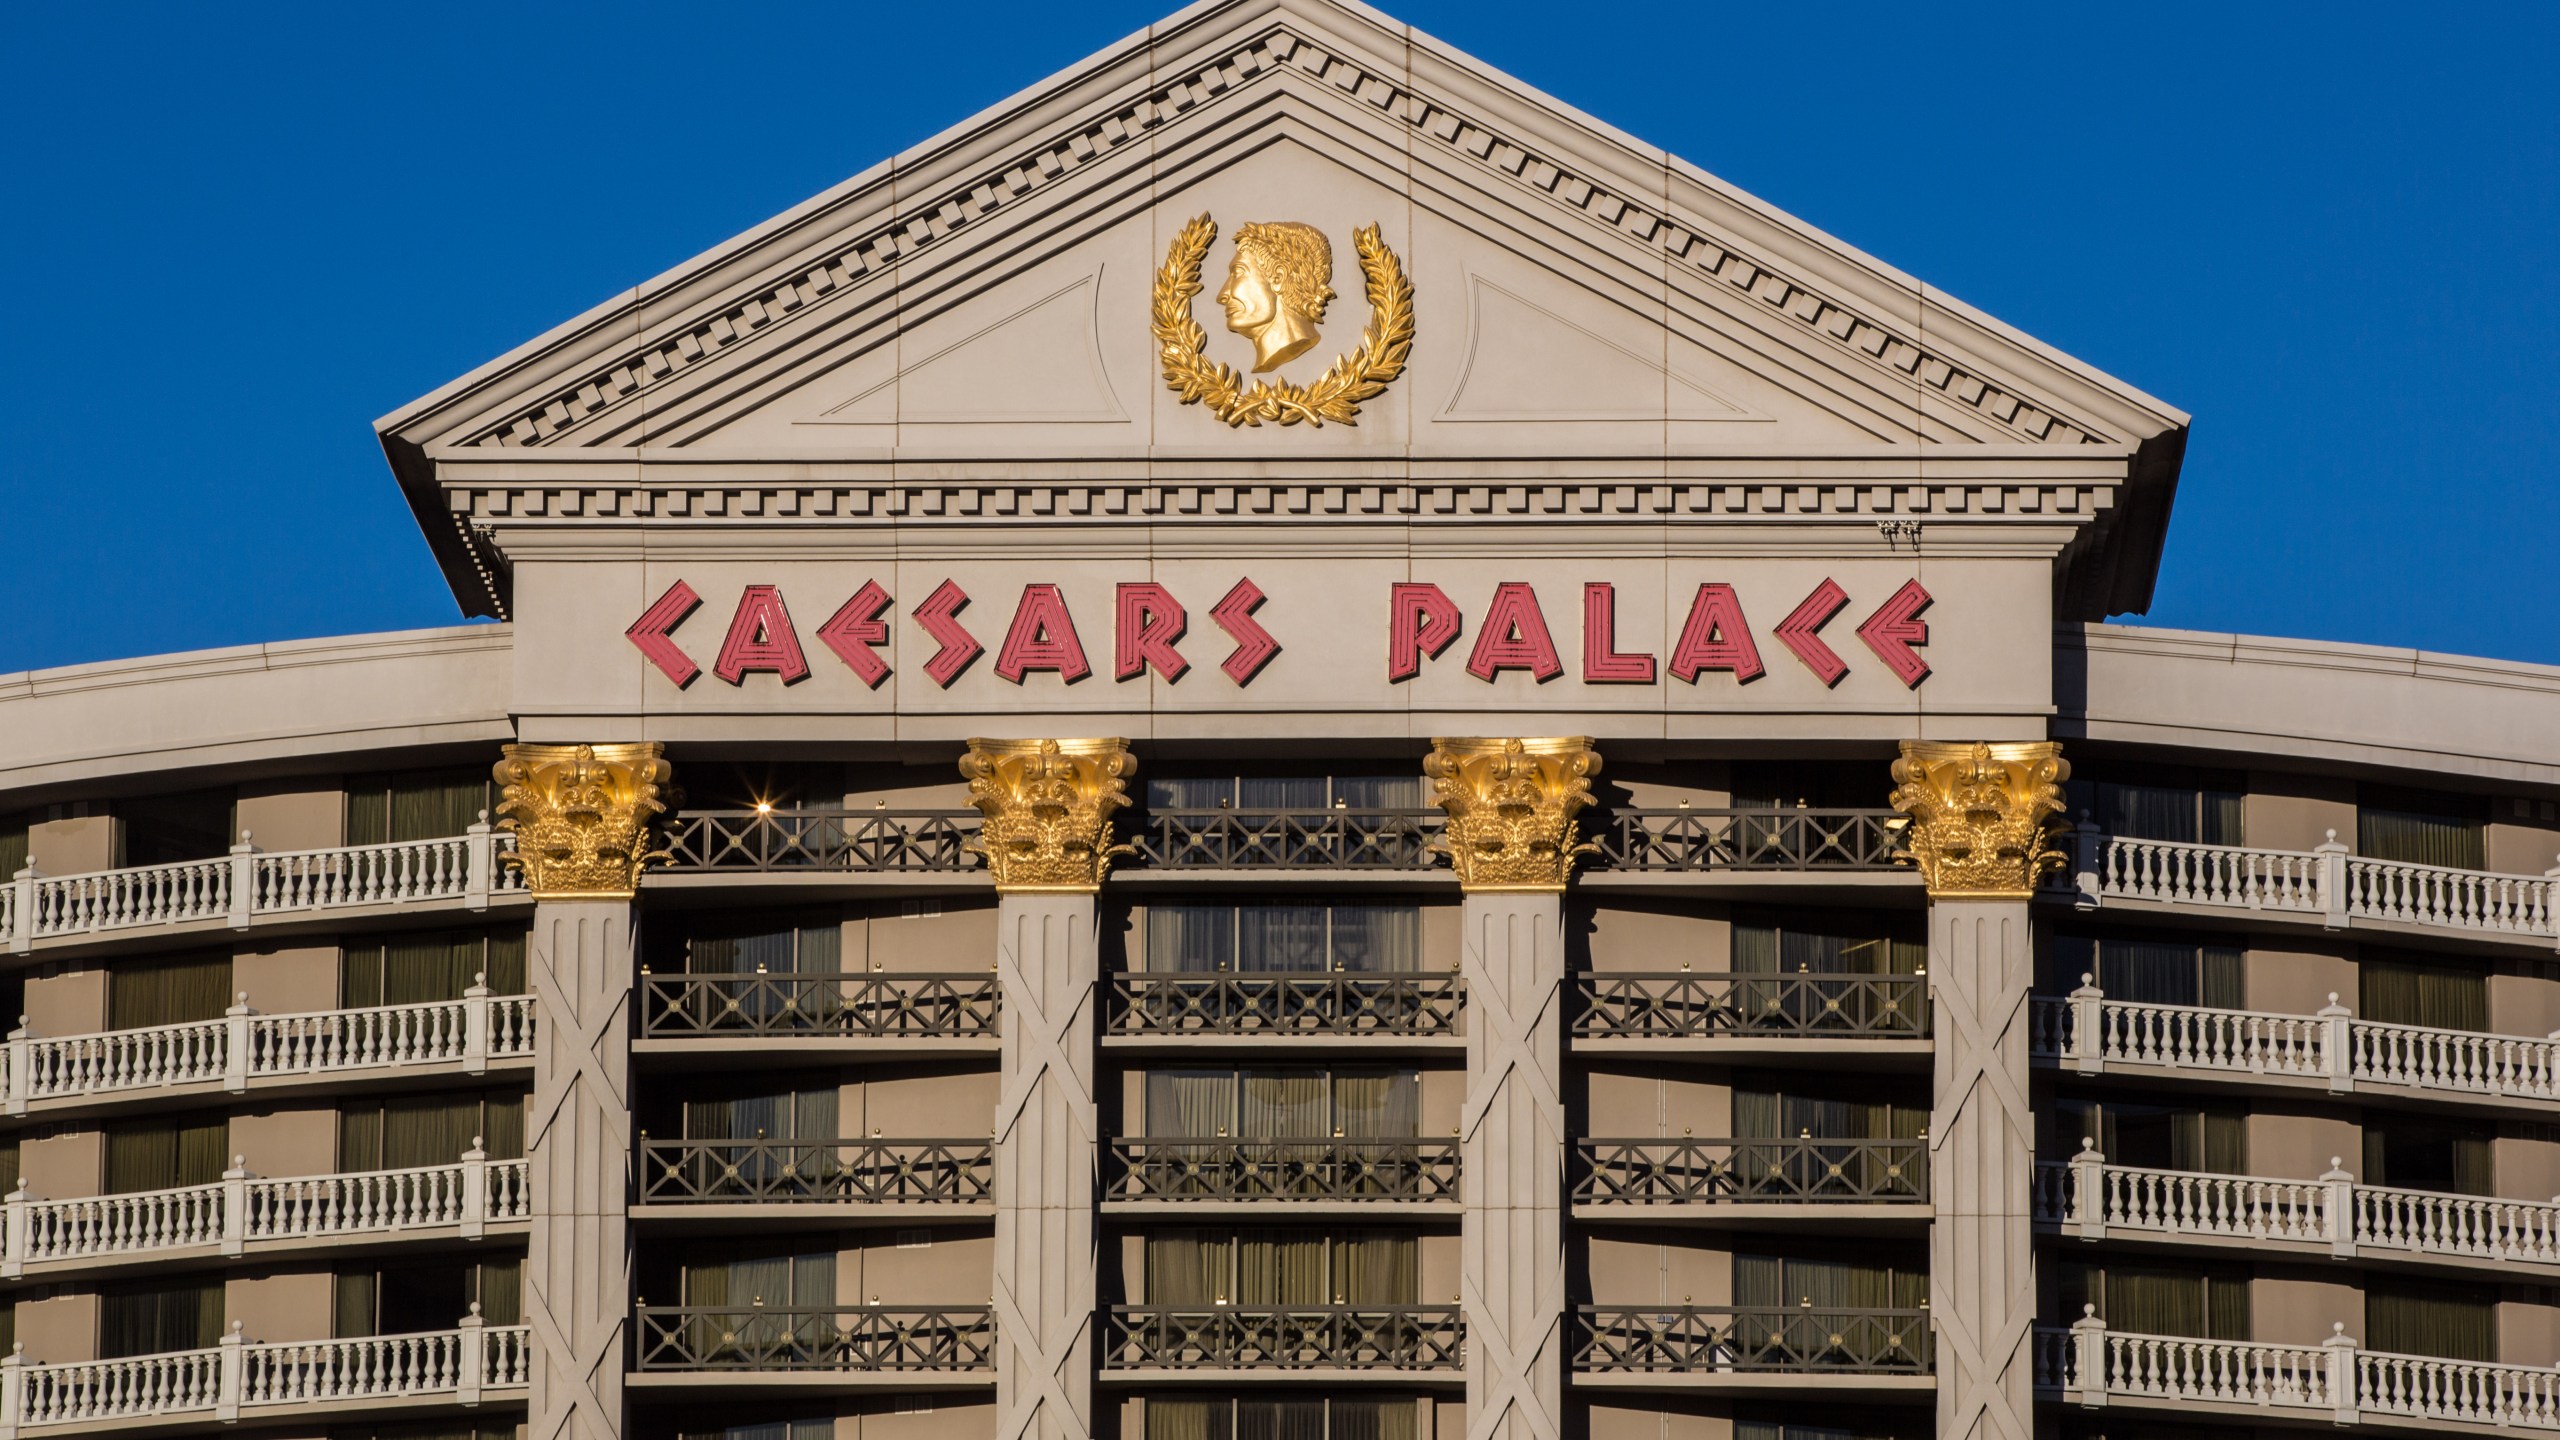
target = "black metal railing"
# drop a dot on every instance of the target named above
(849, 840)
(1616, 1004)
(1315, 1169)
(1701, 1172)
(737, 1172)
(1315, 839)
(1694, 1339)
(1227, 1337)
(878, 1004)
(1746, 839)
(1271, 1003)
(848, 1337)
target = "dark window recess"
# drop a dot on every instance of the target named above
(410, 1132)
(805, 1427)
(759, 1109)
(8, 1175)
(2212, 1141)
(2450, 1322)
(13, 848)
(172, 990)
(2161, 1299)
(806, 943)
(417, 968)
(1748, 1426)
(2148, 971)
(1763, 1111)
(1276, 936)
(1811, 784)
(782, 784)
(751, 1274)
(154, 1317)
(165, 1154)
(2439, 992)
(418, 804)
(1284, 792)
(1784, 1281)
(2421, 827)
(2446, 1156)
(165, 829)
(2161, 802)
(1282, 1104)
(449, 1430)
(415, 1296)
(1265, 1267)
(1840, 943)
(1281, 1417)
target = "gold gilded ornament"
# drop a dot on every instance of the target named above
(1981, 815)
(1048, 806)
(581, 814)
(1275, 295)
(1512, 806)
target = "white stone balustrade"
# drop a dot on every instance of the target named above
(244, 1047)
(2338, 1381)
(2092, 1199)
(248, 885)
(2089, 1032)
(2327, 882)
(240, 1379)
(241, 1209)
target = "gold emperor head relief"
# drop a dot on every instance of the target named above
(1277, 289)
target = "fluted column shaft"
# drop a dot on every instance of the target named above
(1047, 1168)
(577, 1284)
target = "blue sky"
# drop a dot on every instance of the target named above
(237, 234)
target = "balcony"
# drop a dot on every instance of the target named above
(2332, 1215)
(1826, 1182)
(843, 842)
(2327, 885)
(1174, 1006)
(1196, 1174)
(1227, 1342)
(2331, 1050)
(1692, 841)
(2337, 1382)
(245, 1050)
(934, 1174)
(1745, 1348)
(874, 1006)
(242, 1213)
(1314, 839)
(843, 1343)
(1646, 1008)
(248, 888)
(309, 1381)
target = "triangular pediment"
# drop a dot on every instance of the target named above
(1573, 292)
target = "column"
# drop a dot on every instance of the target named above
(1047, 840)
(1981, 819)
(581, 816)
(1512, 837)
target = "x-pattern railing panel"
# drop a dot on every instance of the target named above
(1315, 1169)
(733, 1172)
(823, 839)
(1710, 1171)
(1698, 1004)
(1382, 1337)
(1312, 839)
(1747, 839)
(1693, 1339)
(1273, 1003)
(850, 1337)
(878, 1004)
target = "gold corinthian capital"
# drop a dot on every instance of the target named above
(1048, 805)
(1980, 814)
(581, 814)
(1512, 806)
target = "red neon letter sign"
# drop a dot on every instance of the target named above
(761, 638)
(1716, 638)
(650, 633)
(1254, 645)
(959, 647)
(1895, 628)
(1514, 636)
(1423, 622)
(1042, 637)
(1150, 621)
(1601, 662)
(853, 630)
(1800, 632)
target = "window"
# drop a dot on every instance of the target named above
(1284, 1104)
(775, 1278)
(1836, 944)
(1811, 784)
(165, 1154)
(2439, 992)
(434, 1430)
(765, 1111)
(416, 969)
(2159, 1137)
(2149, 971)
(1773, 1282)
(153, 1317)
(417, 804)
(166, 829)
(751, 943)
(1273, 1268)
(2161, 1299)
(1829, 1428)
(2446, 1156)
(420, 1295)
(807, 1427)
(173, 990)
(1270, 1417)
(2418, 827)
(13, 847)
(1285, 792)
(2451, 1322)
(1268, 937)
(782, 784)
(413, 1131)
(1763, 1112)
(2162, 802)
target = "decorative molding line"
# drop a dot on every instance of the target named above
(1890, 352)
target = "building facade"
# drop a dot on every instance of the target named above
(1283, 744)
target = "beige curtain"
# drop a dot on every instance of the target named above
(177, 990)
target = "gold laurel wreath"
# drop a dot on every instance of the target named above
(1336, 396)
